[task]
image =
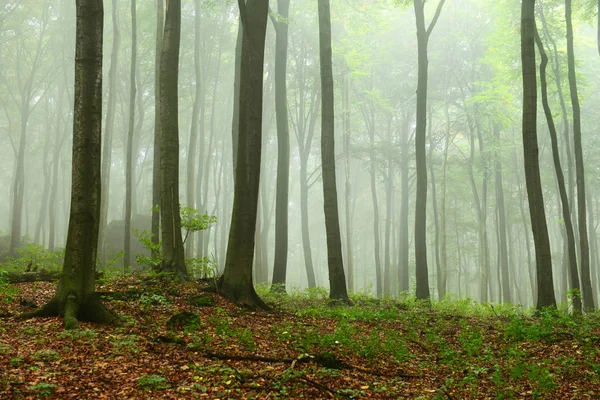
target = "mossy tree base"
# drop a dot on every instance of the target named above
(242, 295)
(72, 311)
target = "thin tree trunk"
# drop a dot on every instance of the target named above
(283, 148)
(403, 279)
(156, 180)
(370, 122)
(588, 298)
(337, 280)
(129, 154)
(530, 150)
(348, 185)
(501, 214)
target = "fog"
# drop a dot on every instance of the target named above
(474, 143)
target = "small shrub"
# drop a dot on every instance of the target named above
(43, 389)
(45, 355)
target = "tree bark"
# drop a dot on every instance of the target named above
(588, 299)
(423, 34)
(129, 151)
(403, 279)
(501, 212)
(283, 148)
(236, 282)
(541, 240)
(566, 211)
(75, 298)
(337, 279)
(172, 242)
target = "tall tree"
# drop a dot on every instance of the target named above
(560, 178)
(283, 146)
(155, 227)
(75, 297)
(236, 281)
(129, 166)
(423, 34)
(172, 243)
(543, 257)
(337, 280)
(108, 133)
(584, 246)
(501, 215)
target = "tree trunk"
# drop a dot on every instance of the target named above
(403, 279)
(501, 213)
(75, 298)
(423, 34)
(566, 211)
(337, 280)
(236, 282)
(283, 148)
(129, 150)
(156, 185)
(532, 168)
(172, 242)
(348, 186)
(588, 299)
(370, 122)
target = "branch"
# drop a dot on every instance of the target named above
(435, 17)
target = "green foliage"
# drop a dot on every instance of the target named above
(8, 292)
(37, 257)
(125, 344)
(43, 389)
(45, 355)
(193, 221)
(153, 299)
(205, 267)
(145, 239)
(76, 334)
(152, 382)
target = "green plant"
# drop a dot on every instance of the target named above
(152, 382)
(78, 334)
(204, 267)
(153, 299)
(8, 292)
(43, 389)
(154, 260)
(193, 221)
(125, 343)
(45, 355)
(16, 361)
(36, 257)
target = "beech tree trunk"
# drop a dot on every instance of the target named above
(172, 242)
(75, 298)
(236, 282)
(283, 148)
(337, 279)
(501, 213)
(545, 282)
(584, 246)
(156, 181)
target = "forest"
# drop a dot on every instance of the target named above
(299, 199)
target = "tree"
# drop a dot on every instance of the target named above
(543, 258)
(560, 178)
(236, 282)
(584, 246)
(130, 133)
(155, 228)
(337, 280)
(423, 34)
(283, 146)
(75, 297)
(172, 243)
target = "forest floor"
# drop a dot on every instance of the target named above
(306, 348)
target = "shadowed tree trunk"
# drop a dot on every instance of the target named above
(129, 152)
(564, 199)
(337, 279)
(283, 148)
(75, 297)
(545, 283)
(236, 282)
(584, 246)
(172, 242)
(157, 139)
(423, 34)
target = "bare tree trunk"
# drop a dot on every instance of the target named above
(337, 280)
(566, 212)
(283, 148)
(348, 185)
(236, 282)
(530, 150)
(75, 297)
(370, 123)
(403, 279)
(588, 298)
(423, 34)
(172, 242)
(501, 213)
(157, 129)
(129, 153)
